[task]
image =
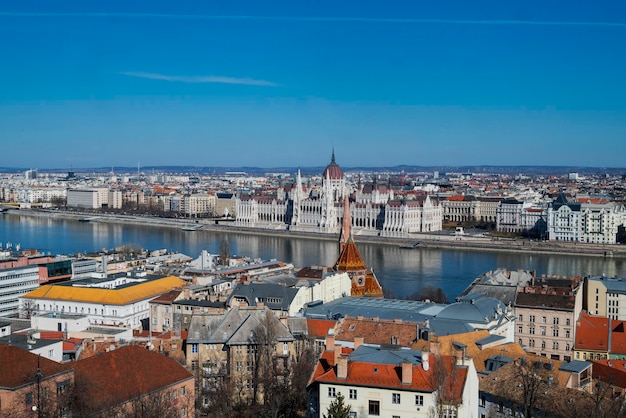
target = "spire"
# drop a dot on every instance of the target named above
(332, 160)
(346, 226)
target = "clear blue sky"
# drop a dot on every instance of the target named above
(280, 83)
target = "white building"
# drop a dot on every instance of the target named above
(332, 286)
(393, 383)
(120, 301)
(96, 198)
(14, 283)
(585, 220)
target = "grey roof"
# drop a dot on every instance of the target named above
(613, 284)
(407, 310)
(505, 294)
(235, 327)
(492, 338)
(475, 307)
(442, 326)
(266, 293)
(200, 303)
(21, 341)
(382, 355)
(575, 366)
(202, 327)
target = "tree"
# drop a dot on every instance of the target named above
(433, 294)
(224, 254)
(338, 409)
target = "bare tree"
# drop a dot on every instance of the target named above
(224, 254)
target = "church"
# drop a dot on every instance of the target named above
(375, 209)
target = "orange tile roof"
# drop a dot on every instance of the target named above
(350, 258)
(122, 296)
(376, 375)
(592, 333)
(319, 327)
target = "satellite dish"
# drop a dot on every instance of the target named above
(112, 347)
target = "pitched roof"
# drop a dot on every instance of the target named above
(350, 258)
(20, 366)
(394, 332)
(382, 368)
(592, 333)
(120, 296)
(320, 327)
(123, 374)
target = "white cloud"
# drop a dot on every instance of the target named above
(201, 79)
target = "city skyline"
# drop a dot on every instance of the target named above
(286, 83)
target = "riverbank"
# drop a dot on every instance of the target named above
(413, 242)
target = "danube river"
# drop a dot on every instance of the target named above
(401, 271)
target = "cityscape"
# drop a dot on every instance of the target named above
(235, 335)
(313, 209)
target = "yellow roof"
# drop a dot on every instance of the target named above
(123, 296)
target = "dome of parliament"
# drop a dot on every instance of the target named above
(332, 170)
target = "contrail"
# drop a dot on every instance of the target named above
(319, 19)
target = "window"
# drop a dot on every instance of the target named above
(566, 333)
(555, 332)
(555, 345)
(567, 347)
(543, 319)
(374, 407)
(520, 329)
(555, 321)
(567, 322)
(531, 330)
(543, 345)
(521, 317)
(352, 393)
(482, 401)
(183, 412)
(543, 330)
(28, 399)
(419, 400)
(532, 318)
(395, 398)
(194, 348)
(332, 392)
(183, 391)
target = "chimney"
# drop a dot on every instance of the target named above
(407, 372)
(342, 368)
(283, 320)
(337, 353)
(330, 342)
(358, 341)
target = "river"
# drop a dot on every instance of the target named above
(400, 271)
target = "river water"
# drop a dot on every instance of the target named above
(401, 271)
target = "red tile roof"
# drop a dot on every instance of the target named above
(125, 373)
(18, 366)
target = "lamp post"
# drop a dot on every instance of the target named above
(38, 375)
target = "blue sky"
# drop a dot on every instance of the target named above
(282, 83)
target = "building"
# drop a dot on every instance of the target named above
(389, 382)
(122, 300)
(547, 312)
(605, 296)
(599, 338)
(94, 198)
(32, 385)
(15, 283)
(233, 349)
(586, 220)
(132, 381)
(318, 207)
